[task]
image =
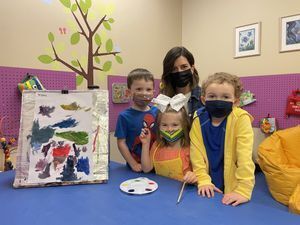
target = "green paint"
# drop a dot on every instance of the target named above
(79, 138)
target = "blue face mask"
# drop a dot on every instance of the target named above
(218, 108)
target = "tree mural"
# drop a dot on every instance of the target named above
(80, 10)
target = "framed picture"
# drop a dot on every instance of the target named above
(290, 35)
(247, 40)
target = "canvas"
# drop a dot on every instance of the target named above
(63, 138)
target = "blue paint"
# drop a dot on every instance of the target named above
(40, 136)
(66, 123)
(83, 165)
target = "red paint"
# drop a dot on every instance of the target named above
(61, 151)
(151, 183)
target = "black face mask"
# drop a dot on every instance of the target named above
(218, 108)
(180, 79)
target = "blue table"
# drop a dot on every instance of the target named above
(106, 204)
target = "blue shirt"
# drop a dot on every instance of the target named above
(213, 138)
(129, 125)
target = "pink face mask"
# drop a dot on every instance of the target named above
(142, 100)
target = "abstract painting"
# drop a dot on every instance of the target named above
(247, 40)
(63, 138)
(290, 33)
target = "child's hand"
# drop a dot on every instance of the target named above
(190, 177)
(145, 136)
(208, 190)
(137, 167)
(234, 199)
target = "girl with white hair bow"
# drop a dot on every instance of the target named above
(170, 153)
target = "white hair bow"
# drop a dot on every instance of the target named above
(176, 102)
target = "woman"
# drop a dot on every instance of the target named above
(180, 76)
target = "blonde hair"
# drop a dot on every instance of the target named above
(185, 123)
(220, 78)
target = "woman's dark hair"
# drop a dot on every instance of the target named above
(168, 65)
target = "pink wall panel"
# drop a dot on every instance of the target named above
(10, 97)
(271, 92)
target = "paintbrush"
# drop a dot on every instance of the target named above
(180, 193)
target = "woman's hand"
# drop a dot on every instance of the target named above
(234, 199)
(208, 190)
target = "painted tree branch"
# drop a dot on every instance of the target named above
(98, 25)
(106, 53)
(81, 28)
(57, 58)
(84, 16)
(97, 68)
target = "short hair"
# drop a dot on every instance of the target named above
(138, 74)
(220, 78)
(185, 123)
(168, 65)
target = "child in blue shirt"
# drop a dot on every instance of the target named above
(131, 121)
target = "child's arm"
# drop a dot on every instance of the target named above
(135, 166)
(189, 176)
(245, 167)
(198, 155)
(145, 138)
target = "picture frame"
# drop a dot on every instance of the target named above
(289, 37)
(247, 40)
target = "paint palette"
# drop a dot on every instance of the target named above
(139, 186)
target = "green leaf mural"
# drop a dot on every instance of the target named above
(97, 60)
(45, 59)
(75, 38)
(83, 7)
(66, 3)
(51, 37)
(119, 59)
(74, 8)
(109, 45)
(98, 39)
(106, 25)
(107, 65)
(111, 20)
(89, 34)
(79, 80)
(75, 63)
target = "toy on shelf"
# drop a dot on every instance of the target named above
(30, 82)
(246, 98)
(268, 125)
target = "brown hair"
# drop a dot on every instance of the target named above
(185, 123)
(138, 74)
(220, 78)
(168, 64)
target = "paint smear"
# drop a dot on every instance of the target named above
(68, 173)
(46, 110)
(73, 106)
(83, 165)
(61, 151)
(79, 138)
(40, 136)
(66, 123)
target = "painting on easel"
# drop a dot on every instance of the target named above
(60, 141)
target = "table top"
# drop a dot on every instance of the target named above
(107, 204)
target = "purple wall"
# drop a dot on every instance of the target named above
(10, 97)
(271, 93)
